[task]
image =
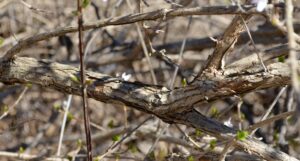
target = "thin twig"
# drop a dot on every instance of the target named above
(230, 143)
(239, 105)
(62, 129)
(270, 120)
(188, 137)
(94, 125)
(29, 6)
(171, 86)
(131, 18)
(226, 149)
(283, 29)
(146, 53)
(23, 156)
(83, 85)
(253, 44)
(292, 53)
(15, 103)
(271, 107)
(162, 131)
(112, 147)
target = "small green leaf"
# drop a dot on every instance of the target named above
(69, 157)
(162, 154)
(276, 136)
(275, 21)
(116, 138)
(57, 106)
(111, 124)
(190, 158)
(1, 41)
(151, 155)
(243, 117)
(79, 143)
(75, 13)
(5, 109)
(74, 78)
(28, 85)
(214, 112)
(89, 82)
(70, 116)
(184, 82)
(198, 132)
(98, 158)
(85, 3)
(117, 156)
(132, 147)
(242, 135)
(290, 120)
(281, 59)
(228, 2)
(21, 150)
(212, 144)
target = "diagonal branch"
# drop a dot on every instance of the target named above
(226, 44)
(214, 128)
(169, 105)
(148, 98)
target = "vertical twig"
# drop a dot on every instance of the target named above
(292, 44)
(62, 129)
(83, 88)
(143, 43)
(257, 52)
(230, 145)
(171, 85)
(239, 106)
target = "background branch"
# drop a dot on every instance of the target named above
(131, 18)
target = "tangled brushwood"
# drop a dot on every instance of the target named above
(158, 80)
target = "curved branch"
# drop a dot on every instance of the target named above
(132, 18)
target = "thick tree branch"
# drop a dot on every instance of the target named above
(226, 44)
(171, 106)
(150, 98)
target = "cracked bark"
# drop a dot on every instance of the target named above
(226, 44)
(173, 106)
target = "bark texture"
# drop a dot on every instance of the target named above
(172, 106)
